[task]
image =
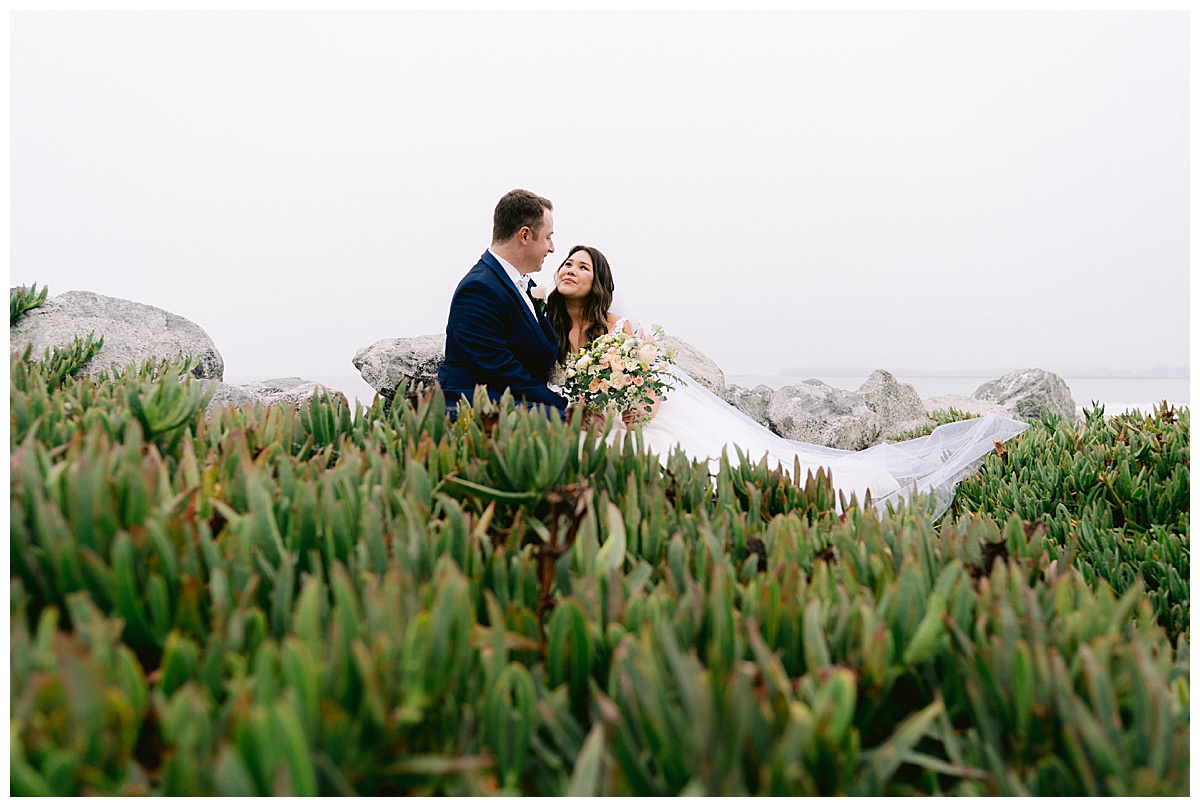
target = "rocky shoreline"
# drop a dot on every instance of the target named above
(811, 410)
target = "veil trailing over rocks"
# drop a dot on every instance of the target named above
(704, 425)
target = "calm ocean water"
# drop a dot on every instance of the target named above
(1117, 394)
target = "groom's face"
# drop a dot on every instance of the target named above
(536, 246)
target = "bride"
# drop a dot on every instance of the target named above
(703, 425)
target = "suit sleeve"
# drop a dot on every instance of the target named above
(480, 329)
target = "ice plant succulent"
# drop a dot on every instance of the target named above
(270, 600)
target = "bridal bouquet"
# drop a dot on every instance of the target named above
(619, 372)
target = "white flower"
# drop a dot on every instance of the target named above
(539, 292)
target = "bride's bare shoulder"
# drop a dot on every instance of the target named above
(613, 319)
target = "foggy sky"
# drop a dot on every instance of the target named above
(805, 191)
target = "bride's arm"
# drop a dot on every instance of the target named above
(643, 414)
(631, 416)
(654, 399)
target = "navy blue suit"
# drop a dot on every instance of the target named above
(492, 339)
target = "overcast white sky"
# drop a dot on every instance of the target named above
(914, 191)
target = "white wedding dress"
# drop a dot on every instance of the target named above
(703, 425)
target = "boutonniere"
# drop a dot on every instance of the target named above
(539, 295)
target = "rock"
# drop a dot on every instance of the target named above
(814, 412)
(753, 402)
(898, 405)
(964, 403)
(697, 365)
(291, 391)
(903, 427)
(230, 395)
(386, 363)
(1027, 393)
(133, 332)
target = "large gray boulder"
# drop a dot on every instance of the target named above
(230, 395)
(290, 391)
(1027, 393)
(386, 363)
(967, 404)
(814, 412)
(697, 365)
(133, 332)
(754, 402)
(898, 405)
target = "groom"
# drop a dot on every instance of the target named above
(496, 335)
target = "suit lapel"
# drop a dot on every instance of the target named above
(506, 282)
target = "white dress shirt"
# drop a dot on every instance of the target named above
(519, 280)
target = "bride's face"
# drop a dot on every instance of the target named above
(574, 278)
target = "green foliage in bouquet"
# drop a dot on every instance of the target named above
(313, 601)
(1113, 494)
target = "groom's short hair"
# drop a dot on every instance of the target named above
(516, 209)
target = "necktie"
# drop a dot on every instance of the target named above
(537, 309)
(526, 285)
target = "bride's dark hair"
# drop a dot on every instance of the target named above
(595, 307)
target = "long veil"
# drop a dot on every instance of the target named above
(703, 424)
